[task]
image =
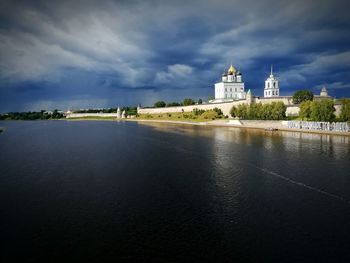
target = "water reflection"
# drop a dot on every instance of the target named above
(332, 145)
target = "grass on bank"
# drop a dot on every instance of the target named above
(194, 116)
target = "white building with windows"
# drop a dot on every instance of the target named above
(271, 86)
(231, 86)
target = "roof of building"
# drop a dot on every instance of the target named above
(231, 70)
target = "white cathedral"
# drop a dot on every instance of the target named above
(231, 86)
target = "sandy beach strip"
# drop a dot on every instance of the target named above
(246, 124)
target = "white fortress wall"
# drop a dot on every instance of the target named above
(84, 115)
(224, 106)
(292, 110)
(287, 100)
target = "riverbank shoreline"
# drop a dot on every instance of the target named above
(268, 126)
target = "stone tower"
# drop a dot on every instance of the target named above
(249, 97)
(324, 92)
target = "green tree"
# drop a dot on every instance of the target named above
(218, 111)
(322, 110)
(200, 101)
(56, 115)
(345, 110)
(305, 110)
(302, 95)
(159, 104)
(242, 111)
(188, 101)
(253, 111)
(233, 112)
(172, 104)
(278, 111)
(265, 112)
(130, 110)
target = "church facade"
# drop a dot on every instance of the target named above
(231, 86)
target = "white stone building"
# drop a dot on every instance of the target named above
(271, 86)
(231, 86)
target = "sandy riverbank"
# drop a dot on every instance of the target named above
(246, 124)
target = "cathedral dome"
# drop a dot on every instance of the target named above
(231, 70)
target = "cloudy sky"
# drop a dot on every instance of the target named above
(79, 54)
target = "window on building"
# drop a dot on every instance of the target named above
(231, 89)
(268, 84)
(274, 84)
(235, 89)
(273, 92)
(226, 89)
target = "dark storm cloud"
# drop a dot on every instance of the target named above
(103, 53)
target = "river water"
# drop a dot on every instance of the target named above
(98, 191)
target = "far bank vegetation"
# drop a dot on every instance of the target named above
(259, 111)
(185, 102)
(324, 110)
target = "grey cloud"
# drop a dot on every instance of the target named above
(153, 43)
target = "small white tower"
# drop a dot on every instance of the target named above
(119, 115)
(249, 97)
(271, 86)
(324, 92)
(138, 108)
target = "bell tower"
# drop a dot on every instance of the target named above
(271, 86)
